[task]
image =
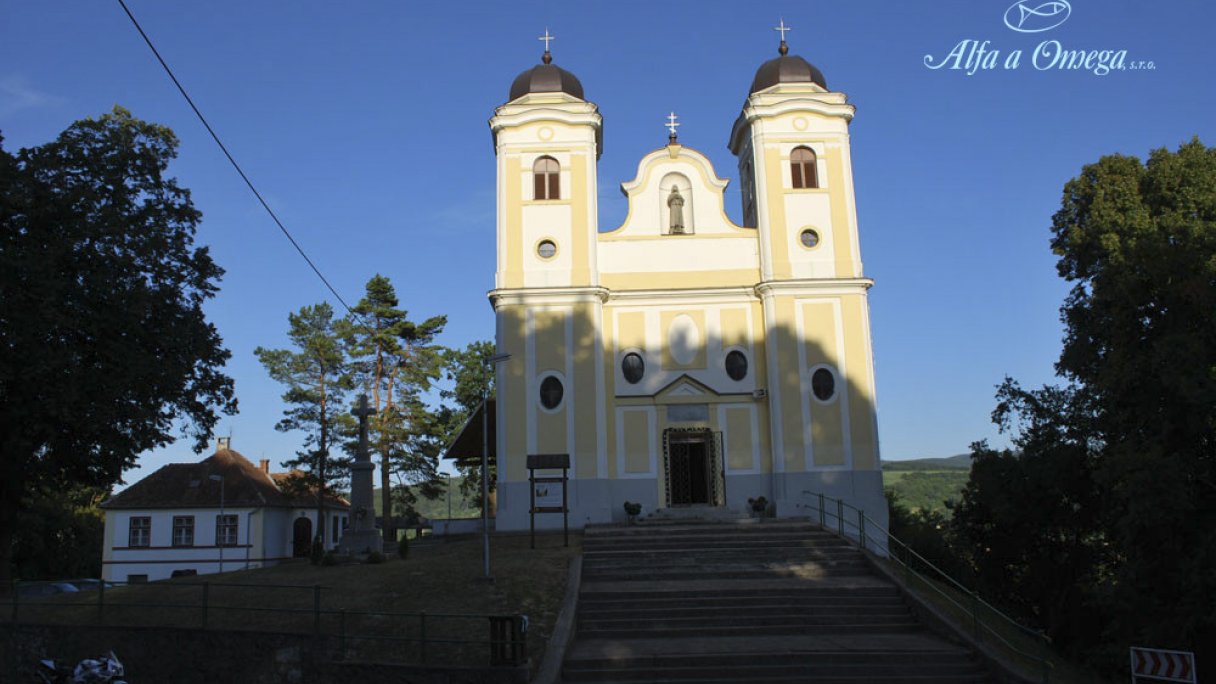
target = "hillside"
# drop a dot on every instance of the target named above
(927, 483)
(462, 507)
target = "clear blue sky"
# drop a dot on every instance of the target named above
(364, 125)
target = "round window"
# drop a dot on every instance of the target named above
(823, 384)
(809, 238)
(633, 367)
(736, 365)
(546, 249)
(551, 392)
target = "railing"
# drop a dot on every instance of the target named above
(425, 638)
(1031, 649)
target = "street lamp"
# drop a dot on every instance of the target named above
(219, 542)
(485, 465)
(448, 525)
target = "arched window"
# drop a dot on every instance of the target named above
(545, 174)
(802, 168)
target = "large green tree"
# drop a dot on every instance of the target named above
(1138, 242)
(398, 360)
(317, 374)
(104, 349)
(1102, 523)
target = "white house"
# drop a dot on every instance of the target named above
(218, 515)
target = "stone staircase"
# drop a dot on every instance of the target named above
(746, 601)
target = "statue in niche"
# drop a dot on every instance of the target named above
(675, 205)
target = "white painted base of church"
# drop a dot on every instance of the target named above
(794, 495)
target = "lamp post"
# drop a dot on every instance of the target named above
(219, 542)
(493, 362)
(448, 524)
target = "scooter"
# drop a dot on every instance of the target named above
(103, 670)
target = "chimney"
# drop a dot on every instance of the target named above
(223, 444)
(264, 464)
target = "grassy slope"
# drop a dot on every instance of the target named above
(439, 578)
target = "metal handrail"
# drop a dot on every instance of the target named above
(976, 602)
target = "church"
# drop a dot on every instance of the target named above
(680, 360)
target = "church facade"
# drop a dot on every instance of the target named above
(680, 359)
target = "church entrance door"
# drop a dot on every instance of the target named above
(690, 470)
(301, 537)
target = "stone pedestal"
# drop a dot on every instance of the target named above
(361, 537)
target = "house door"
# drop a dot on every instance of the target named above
(689, 471)
(301, 537)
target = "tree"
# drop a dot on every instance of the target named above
(398, 359)
(1102, 524)
(1138, 242)
(472, 375)
(317, 376)
(104, 349)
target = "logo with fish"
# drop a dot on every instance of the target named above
(1035, 16)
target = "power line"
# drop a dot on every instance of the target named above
(231, 160)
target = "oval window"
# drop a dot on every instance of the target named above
(823, 384)
(633, 367)
(551, 392)
(736, 365)
(546, 249)
(809, 238)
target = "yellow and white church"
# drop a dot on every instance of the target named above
(682, 360)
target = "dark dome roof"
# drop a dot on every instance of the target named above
(787, 69)
(545, 78)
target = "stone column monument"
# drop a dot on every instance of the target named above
(361, 537)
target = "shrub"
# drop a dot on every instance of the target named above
(374, 558)
(317, 553)
(403, 548)
(632, 509)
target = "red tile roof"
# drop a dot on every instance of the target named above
(189, 485)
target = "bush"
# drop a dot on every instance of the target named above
(403, 548)
(329, 559)
(317, 553)
(632, 509)
(374, 558)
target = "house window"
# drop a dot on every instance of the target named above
(803, 169)
(546, 173)
(183, 530)
(141, 532)
(225, 530)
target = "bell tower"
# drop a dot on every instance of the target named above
(792, 141)
(548, 305)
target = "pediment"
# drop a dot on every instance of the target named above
(684, 387)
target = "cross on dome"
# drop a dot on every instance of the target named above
(671, 126)
(547, 39)
(783, 29)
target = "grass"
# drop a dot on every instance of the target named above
(442, 579)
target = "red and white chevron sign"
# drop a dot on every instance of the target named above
(1170, 666)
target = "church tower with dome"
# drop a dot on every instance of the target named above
(682, 361)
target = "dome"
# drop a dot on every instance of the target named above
(546, 78)
(787, 69)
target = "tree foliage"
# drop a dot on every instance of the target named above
(472, 376)
(398, 360)
(317, 375)
(104, 348)
(1102, 524)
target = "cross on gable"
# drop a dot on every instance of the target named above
(672, 125)
(362, 410)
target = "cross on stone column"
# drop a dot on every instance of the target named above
(361, 537)
(671, 127)
(362, 411)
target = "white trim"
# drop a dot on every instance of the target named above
(601, 416)
(651, 439)
(808, 426)
(568, 397)
(777, 448)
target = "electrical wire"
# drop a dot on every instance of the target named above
(231, 159)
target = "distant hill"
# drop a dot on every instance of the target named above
(927, 483)
(959, 462)
(438, 508)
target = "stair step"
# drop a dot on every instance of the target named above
(594, 623)
(791, 591)
(764, 670)
(902, 658)
(745, 630)
(713, 610)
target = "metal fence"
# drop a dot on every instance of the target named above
(1027, 649)
(407, 637)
